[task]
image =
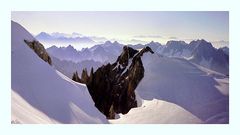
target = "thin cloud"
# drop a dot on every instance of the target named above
(136, 41)
(220, 43)
(172, 38)
(148, 36)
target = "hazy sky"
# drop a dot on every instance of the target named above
(158, 26)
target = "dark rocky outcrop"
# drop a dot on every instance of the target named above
(75, 77)
(112, 85)
(39, 49)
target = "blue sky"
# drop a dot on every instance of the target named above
(145, 25)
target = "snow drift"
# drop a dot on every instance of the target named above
(40, 94)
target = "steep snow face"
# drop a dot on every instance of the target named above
(42, 94)
(200, 91)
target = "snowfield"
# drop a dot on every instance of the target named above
(40, 94)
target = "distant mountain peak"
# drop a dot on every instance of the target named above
(70, 47)
(108, 42)
(175, 42)
(115, 42)
(53, 47)
(76, 34)
(152, 42)
(43, 35)
(225, 49)
(201, 43)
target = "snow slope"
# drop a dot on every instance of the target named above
(21, 110)
(200, 91)
(41, 94)
(157, 112)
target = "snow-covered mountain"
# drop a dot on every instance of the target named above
(106, 52)
(225, 50)
(64, 53)
(200, 52)
(63, 39)
(68, 60)
(67, 67)
(206, 55)
(110, 47)
(152, 44)
(175, 49)
(41, 94)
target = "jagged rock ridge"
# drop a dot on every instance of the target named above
(112, 86)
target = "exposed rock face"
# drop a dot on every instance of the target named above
(39, 49)
(75, 77)
(112, 86)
